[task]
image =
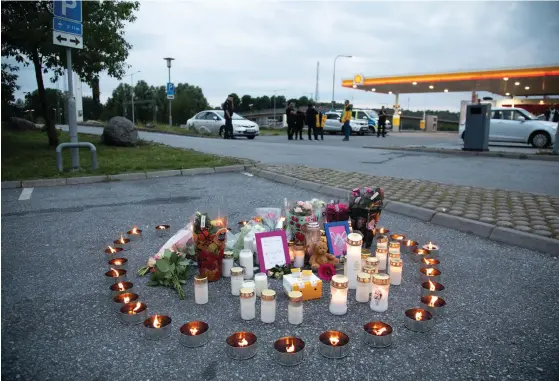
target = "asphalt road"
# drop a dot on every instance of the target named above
(500, 323)
(509, 174)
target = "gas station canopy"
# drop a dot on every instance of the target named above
(506, 82)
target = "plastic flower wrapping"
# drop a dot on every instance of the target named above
(300, 213)
(365, 209)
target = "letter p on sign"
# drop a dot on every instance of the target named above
(68, 5)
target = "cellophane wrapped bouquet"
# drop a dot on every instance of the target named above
(209, 241)
(336, 211)
(365, 209)
(299, 214)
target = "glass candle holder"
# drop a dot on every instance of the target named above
(338, 294)
(200, 289)
(299, 255)
(237, 278)
(373, 262)
(363, 287)
(382, 255)
(295, 308)
(261, 283)
(379, 297)
(382, 242)
(353, 258)
(290, 245)
(268, 306)
(227, 263)
(365, 254)
(391, 256)
(248, 304)
(394, 247)
(396, 271)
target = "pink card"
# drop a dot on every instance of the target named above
(272, 249)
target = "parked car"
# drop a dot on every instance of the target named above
(371, 117)
(213, 122)
(516, 125)
(333, 124)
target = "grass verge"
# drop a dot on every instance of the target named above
(26, 155)
(188, 132)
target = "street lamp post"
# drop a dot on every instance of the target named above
(169, 59)
(334, 76)
(132, 93)
(275, 91)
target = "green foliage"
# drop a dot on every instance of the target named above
(54, 98)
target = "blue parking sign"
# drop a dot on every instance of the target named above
(68, 9)
(170, 90)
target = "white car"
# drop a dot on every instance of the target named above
(213, 122)
(333, 124)
(516, 125)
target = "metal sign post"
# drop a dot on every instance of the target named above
(68, 32)
(170, 90)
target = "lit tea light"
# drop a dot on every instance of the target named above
(241, 345)
(118, 263)
(124, 298)
(123, 243)
(382, 231)
(430, 263)
(242, 223)
(429, 274)
(115, 276)
(398, 237)
(113, 252)
(194, 334)
(433, 249)
(333, 344)
(134, 234)
(289, 351)
(418, 320)
(377, 334)
(408, 246)
(157, 327)
(120, 288)
(133, 313)
(162, 230)
(434, 304)
(432, 288)
(418, 254)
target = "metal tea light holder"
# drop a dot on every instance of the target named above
(289, 351)
(133, 313)
(118, 263)
(113, 252)
(432, 288)
(134, 235)
(120, 288)
(157, 327)
(115, 276)
(162, 231)
(194, 334)
(434, 304)
(408, 246)
(418, 320)
(377, 334)
(333, 344)
(125, 298)
(241, 346)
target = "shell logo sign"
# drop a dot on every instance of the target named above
(358, 79)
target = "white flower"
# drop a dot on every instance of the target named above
(298, 210)
(307, 206)
(151, 262)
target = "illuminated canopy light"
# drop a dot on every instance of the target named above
(446, 90)
(431, 86)
(527, 88)
(505, 78)
(517, 83)
(414, 83)
(390, 92)
(507, 94)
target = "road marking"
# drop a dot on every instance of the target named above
(25, 194)
(247, 174)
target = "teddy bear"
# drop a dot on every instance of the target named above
(320, 255)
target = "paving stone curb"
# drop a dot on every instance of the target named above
(123, 177)
(482, 229)
(497, 154)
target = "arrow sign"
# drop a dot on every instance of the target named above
(68, 40)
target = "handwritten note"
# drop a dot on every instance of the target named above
(272, 249)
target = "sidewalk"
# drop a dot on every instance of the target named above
(523, 212)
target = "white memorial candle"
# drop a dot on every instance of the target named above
(382, 242)
(295, 308)
(246, 261)
(261, 281)
(365, 254)
(379, 298)
(381, 254)
(248, 304)
(200, 289)
(373, 262)
(396, 271)
(268, 306)
(247, 242)
(338, 294)
(394, 247)
(249, 283)
(237, 278)
(227, 263)
(391, 256)
(363, 287)
(299, 252)
(353, 258)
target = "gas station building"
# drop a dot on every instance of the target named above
(515, 84)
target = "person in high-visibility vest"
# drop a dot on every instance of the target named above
(346, 117)
(320, 122)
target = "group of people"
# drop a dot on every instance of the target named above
(315, 120)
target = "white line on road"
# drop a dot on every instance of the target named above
(25, 194)
(247, 174)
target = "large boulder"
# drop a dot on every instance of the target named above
(21, 124)
(120, 131)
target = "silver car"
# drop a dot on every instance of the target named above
(333, 124)
(516, 125)
(212, 122)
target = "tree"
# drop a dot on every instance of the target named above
(53, 98)
(9, 86)
(26, 35)
(303, 101)
(246, 101)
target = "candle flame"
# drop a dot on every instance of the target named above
(156, 322)
(432, 286)
(121, 240)
(121, 286)
(334, 340)
(135, 230)
(218, 222)
(193, 331)
(398, 237)
(419, 316)
(118, 263)
(290, 349)
(112, 250)
(430, 272)
(433, 301)
(115, 272)
(126, 299)
(136, 309)
(161, 227)
(409, 243)
(243, 342)
(379, 331)
(430, 246)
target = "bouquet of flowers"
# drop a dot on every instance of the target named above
(268, 217)
(336, 211)
(318, 207)
(299, 214)
(169, 269)
(248, 230)
(209, 242)
(365, 209)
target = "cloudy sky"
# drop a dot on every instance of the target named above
(255, 47)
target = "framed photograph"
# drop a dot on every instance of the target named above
(272, 249)
(336, 235)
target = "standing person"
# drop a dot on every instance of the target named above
(381, 122)
(291, 127)
(299, 123)
(311, 121)
(346, 117)
(228, 113)
(320, 122)
(552, 115)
